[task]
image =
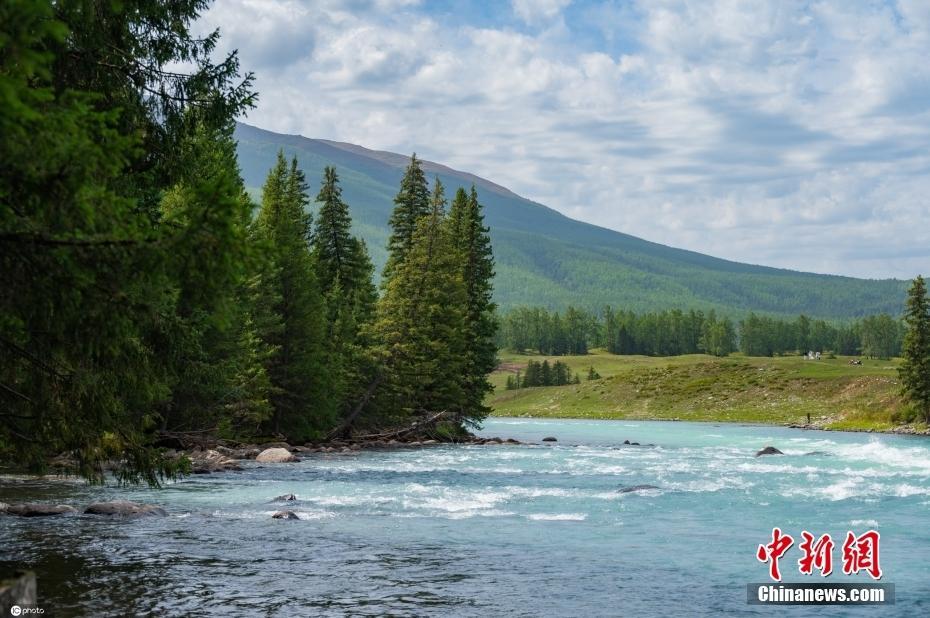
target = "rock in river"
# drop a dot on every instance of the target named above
(769, 450)
(124, 508)
(205, 462)
(35, 509)
(549, 439)
(275, 455)
(285, 515)
(632, 488)
(285, 498)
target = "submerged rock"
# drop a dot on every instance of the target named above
(285, 515)
(275, 455)
(632, 488)
(812, 453)
(124, 508)
(285, 498)
(36, 509)
(769, 450)
(549, 439)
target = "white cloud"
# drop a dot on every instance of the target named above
(536, 11)
(795, 134)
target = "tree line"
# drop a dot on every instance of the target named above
(146, 295)
(674, 332)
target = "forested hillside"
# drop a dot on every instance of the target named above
(546, 259)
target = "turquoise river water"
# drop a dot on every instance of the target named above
(523, 530)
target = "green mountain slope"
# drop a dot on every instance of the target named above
(545, 258)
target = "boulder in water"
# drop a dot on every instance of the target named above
(626, 442)
(285, 498)
(633, 488)
(36, 509)
(285, 515)
(124, 508)
(275, 455)
(769, 450)
(205, 462)
(549, 439)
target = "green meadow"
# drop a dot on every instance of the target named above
(780, 390)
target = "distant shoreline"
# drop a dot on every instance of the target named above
(903, 430)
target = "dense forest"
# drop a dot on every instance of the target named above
(669, 333)
(145, 294)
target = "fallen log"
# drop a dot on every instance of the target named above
(397, 433)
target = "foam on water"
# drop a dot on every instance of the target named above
(557, 516)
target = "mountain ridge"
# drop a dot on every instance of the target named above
(546, 258)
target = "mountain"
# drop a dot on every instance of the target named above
(545, 258)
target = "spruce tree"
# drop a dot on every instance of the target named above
(476, 265)
(915, 370)
(302, 398)
(344, 271)
(420, 322)
(411, 203)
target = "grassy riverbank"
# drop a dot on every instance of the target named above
(837, 395)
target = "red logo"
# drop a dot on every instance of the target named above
(860, 553)
(816, 555)
(773, 551)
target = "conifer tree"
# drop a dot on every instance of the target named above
(411, 203)
(302, 398)
(476, 264)
(420, 321)
(915, 370)
(344, 271)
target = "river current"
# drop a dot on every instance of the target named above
(526, 530)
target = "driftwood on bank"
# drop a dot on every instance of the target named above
(398, 433)
(203, 438)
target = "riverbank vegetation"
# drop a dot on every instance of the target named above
(146, 297)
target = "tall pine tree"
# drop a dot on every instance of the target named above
(302, 398)
(411, 203)
(344, 271)
(472, 245)
(420, 322)
(915, 370)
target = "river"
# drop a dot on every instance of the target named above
(485, 530)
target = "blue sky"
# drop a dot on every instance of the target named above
(792, 134)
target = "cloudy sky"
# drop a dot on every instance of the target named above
(793, 134)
